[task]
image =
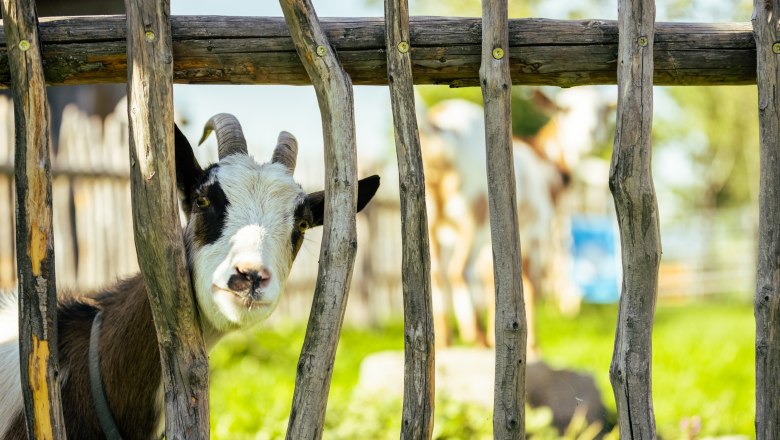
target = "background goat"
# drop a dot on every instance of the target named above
(246, 223)
(455, 160)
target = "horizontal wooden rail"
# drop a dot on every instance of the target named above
(8, 169)
(258, 50)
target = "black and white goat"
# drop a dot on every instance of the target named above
(246, 223)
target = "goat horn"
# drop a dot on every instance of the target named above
(230, 137)
(286, 151)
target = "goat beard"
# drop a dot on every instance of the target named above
(249, 300)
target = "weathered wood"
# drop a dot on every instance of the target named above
(339, 236)
(258, 50)
(767, 298)
(34, 232)
(631, 182)
(511, 327)
(419, 357)
(158, 235)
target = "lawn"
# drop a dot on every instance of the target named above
(703, 366)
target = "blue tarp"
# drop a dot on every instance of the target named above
(596, 263)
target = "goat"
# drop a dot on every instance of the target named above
(246, 223)
(455, 162)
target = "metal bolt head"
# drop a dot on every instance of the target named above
(149, 36)
(498, 53)
(24, 45)
(642, 41)
(321, 51)
(403, 47)
(776, 47)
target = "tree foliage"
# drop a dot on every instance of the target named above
(716, 130)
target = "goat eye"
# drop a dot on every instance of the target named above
(303, 225)
(202, 202)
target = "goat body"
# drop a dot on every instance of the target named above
(129, 362)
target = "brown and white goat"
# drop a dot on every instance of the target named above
(453, 134)
(246, 223)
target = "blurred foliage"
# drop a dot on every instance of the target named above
(669, 10)
(527, 116)
(702, 363)
(716, 130)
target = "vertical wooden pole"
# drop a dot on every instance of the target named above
(767, 298)
(34, 235)
(511, 326)
(158, 235)
(339, 239)
(419, 355)
(631, 182)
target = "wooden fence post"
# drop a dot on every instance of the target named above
(767, 298)
(34, 234)
(339, 238)
(631, 182)
(419, 352)
(511, 325)
(158, 235)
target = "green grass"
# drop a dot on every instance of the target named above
(703, 366)
(253, 376)
(703, 361)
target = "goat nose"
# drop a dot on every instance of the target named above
(254, 275)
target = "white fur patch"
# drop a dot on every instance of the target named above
(257, 230)
(11, 403)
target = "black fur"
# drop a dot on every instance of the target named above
(209, 222)
(366, 189)
(302, 214)
(188, 173)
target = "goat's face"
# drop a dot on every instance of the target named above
(246, 223)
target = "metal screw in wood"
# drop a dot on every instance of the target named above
(498, 53)
(403, 47)
(642, 41)
(24, 45)
(321, 51)
(776, 47)
(149, 36)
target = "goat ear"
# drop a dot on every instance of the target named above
(188, 172)
(366, 189)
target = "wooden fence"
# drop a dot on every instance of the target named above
(91, 201)
(203, 49)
